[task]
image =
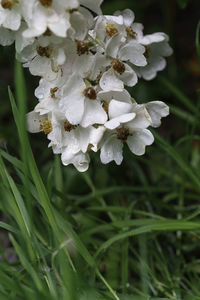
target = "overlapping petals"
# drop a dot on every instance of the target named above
(85, 60)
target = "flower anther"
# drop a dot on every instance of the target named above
(44, 51)
(122, 134)
(82, 48)
(90, 93)
(46, 3)
(46, 126)
(68, 126)
(8, 4)
(118, 66)
(53, 92)
(111, 30)
(131, 32)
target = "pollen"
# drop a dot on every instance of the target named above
(8, 4)
(122, 134)
(53, 92)
(44, 51)
(111, 30)
(46, 126)
(82, 48)
(90, 93)
(46, 3)
(68, 126)
(118, 66)
(131, 32)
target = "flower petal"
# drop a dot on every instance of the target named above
(72, 103)
(157, 110)
(133, 52)
(139, 140)
(93, 113)
(33, 121)
(79, 160)
(111, 150)
(118, 108)
(110, 82)
(116, 122)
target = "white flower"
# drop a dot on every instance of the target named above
(43, 58)
(157, 48)
(80, 103)
(42, 15)
(10, 14)
(129, 128)
(120, 72)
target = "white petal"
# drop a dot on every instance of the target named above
(122, 96)
(116, 122)
(112, 150)
(118, 108)
(60, 27)
(96, 135)
(139, 140)
(90, 137)
(34, 121)
(155, 64)
(157, 110)
(79, 24)
(112, 46)
(13, 20)
(93, 113)
(7, 37)
(129, 77)
(72, 103)
(133, 52)
(110, 82)
(156, 37)
(79, 160)
(128, 16)
(41, 66)
(142, 119)
(100, 62)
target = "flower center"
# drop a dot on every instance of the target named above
(122, 134)
(90, 93)
(46, 3)
(82, 48)
(8, 4)
(44, 51)
(53, 92)
(131, 32)
(47, 32)
(46, 126)
(68, 126)
(118, 66)
(111, 30)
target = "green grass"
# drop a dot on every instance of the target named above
(128, 232)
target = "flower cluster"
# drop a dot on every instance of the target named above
(85, 62)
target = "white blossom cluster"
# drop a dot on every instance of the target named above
(85, 60)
